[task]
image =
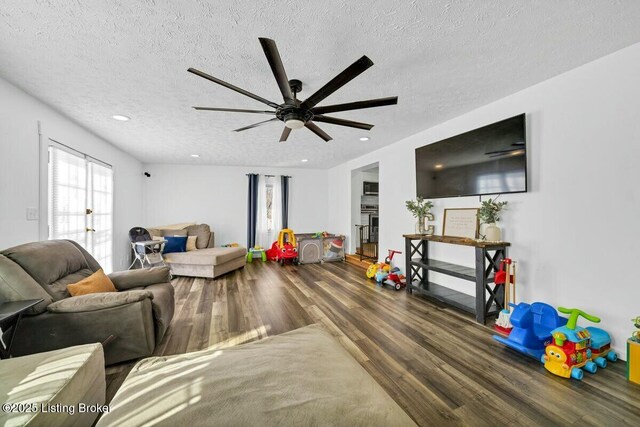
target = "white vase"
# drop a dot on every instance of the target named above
(492, 233)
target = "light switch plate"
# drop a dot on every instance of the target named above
(32, 214)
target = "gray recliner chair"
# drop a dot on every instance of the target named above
(131, 321)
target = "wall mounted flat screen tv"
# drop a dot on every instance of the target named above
(488, 160)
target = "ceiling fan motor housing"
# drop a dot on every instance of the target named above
(294, 117)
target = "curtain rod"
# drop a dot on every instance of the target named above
(85, 155)
(271, 176)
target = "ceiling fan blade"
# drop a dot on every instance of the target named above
(232, 110)
(273, 56)
(255, 125)
(351, 72)
(285, 134)
(342, 122)
(232, 87)
(315, 129)
(380, 102)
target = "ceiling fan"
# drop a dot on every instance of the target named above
(295, 113)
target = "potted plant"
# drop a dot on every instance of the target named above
(421, 209)
(489, 214)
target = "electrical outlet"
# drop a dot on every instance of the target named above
(32, 214)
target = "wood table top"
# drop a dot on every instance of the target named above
(455, 240)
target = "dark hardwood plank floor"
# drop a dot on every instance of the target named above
(438, 364)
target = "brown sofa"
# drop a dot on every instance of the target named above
(206, 261)
(135, 318)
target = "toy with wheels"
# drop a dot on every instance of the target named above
(375, 270)
(372, 270)
(575, 348)
(532, 326)
(393, 277)
(272, 252)
(256, 251)
(388, 275)
(284, 249)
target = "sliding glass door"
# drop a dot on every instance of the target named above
(81, 202)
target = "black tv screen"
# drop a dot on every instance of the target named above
(488, 160)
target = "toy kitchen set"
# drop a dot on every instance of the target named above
(369, 209)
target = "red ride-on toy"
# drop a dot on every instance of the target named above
(391, 276)
(284, 248)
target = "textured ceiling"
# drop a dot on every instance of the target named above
(91, 60)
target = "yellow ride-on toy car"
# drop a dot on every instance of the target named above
(285, 248)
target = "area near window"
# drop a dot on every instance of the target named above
(80, 195)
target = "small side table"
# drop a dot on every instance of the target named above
(10, 315)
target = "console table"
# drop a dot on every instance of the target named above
(488, 299)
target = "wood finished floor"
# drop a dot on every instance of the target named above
(438, 364)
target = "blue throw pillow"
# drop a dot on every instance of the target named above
(175, 244)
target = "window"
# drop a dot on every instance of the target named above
(269, 212)
(269, 205)
(80, 196)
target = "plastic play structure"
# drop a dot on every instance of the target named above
(532, 326)
(256, 252)
(564, 347)
(284, 248)
(575, 347)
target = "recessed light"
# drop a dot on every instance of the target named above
(438, 166)
(364, 138)
(121, 118)
(304, 160)
(195, 156)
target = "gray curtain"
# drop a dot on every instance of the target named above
(285, 201)
(252, 209)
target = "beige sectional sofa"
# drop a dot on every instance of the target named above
(57, 388)
(300, 378)
(206, 260)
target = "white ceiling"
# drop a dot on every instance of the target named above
(91, 60)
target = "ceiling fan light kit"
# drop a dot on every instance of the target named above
(296, 114)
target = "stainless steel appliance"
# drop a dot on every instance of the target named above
(367, 209)
(370, 188)
(373, 227)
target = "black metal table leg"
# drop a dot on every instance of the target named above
(407, 262)
(481, 283)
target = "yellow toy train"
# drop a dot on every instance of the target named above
(574, 348)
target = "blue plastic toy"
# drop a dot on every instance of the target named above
(532, 326)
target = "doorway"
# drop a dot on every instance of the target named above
(365, 218)
(80, 205)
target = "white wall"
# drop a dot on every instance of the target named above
(217, 195)
(575, 232)
(23, 175)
